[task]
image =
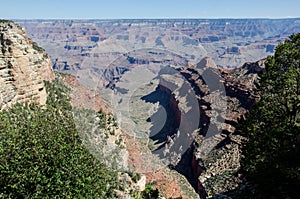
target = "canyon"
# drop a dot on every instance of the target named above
(177, 88)
(229, 42)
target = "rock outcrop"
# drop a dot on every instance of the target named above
(219, 156)
(23, 67)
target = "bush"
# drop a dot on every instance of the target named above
(41, 155)
(5, 21)
(36, 47)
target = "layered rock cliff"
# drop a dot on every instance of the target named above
(23, 67)
(219, 156)
(79, 44)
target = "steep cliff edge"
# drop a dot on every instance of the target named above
(23, 67)
(220, 166)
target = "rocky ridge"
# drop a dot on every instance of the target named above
(23, 67)
(219, 156)
(211, 161)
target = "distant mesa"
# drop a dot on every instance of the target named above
(229, 42)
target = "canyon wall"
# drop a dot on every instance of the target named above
(23, 67)
(79, 44)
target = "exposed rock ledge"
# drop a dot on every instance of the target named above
(23, 67)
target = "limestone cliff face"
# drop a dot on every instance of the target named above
(23, 67)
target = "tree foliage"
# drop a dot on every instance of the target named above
(41, 154)
(271, 155)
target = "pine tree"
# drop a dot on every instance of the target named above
(271, 158)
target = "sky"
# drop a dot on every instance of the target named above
(128, 9)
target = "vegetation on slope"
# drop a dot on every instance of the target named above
(271, 160)
(41, 155)
(5, 21)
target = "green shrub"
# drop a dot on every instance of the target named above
(148, 193)
(41, 155)
(36, 47)
(5, 21)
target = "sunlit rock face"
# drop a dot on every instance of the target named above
(23, 67)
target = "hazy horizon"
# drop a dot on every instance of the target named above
(155, 9)
(45, 19)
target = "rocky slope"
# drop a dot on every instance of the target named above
(219, 156)
(23, 67)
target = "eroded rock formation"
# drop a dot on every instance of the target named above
(23, 67)
(219, 156)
